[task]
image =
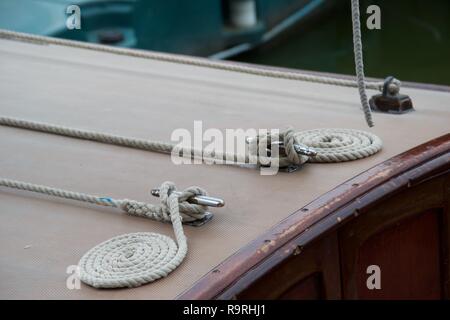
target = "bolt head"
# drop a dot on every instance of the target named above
(393, 89)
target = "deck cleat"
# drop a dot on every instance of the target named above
(198, 223)
(199, 200)
(300, 149)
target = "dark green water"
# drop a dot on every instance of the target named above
(412, 45)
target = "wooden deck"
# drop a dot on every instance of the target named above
(149, 99)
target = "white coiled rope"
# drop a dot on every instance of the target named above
(339, 145)
(331, 145)
(131, 260)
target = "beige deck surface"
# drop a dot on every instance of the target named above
(149, 99)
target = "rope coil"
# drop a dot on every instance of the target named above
(131, 260)
(331, 145)
(340, 145)
(135, 259)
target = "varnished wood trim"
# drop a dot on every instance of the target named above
(323, 214)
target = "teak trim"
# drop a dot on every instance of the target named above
(322, 215)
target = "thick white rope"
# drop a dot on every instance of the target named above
(336, 145)
(189, 60)
(332, 145)
(131, 260)
(359, 64)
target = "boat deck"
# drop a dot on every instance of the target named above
(41, 236)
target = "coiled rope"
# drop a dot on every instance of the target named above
(332, 145)
(360, 82)
(339, 145)
(131, 260)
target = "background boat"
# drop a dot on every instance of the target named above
(201, 27)
(301, 34)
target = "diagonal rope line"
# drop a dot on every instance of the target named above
(359, 64)
(360, 83)
(188, 60)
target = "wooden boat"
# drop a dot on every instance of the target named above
(311, 234)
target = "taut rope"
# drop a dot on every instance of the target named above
(359, 64)
(189, 60)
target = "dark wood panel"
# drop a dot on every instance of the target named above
(445, 240)
(405, 236)
(310, 288)
(408, 257)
